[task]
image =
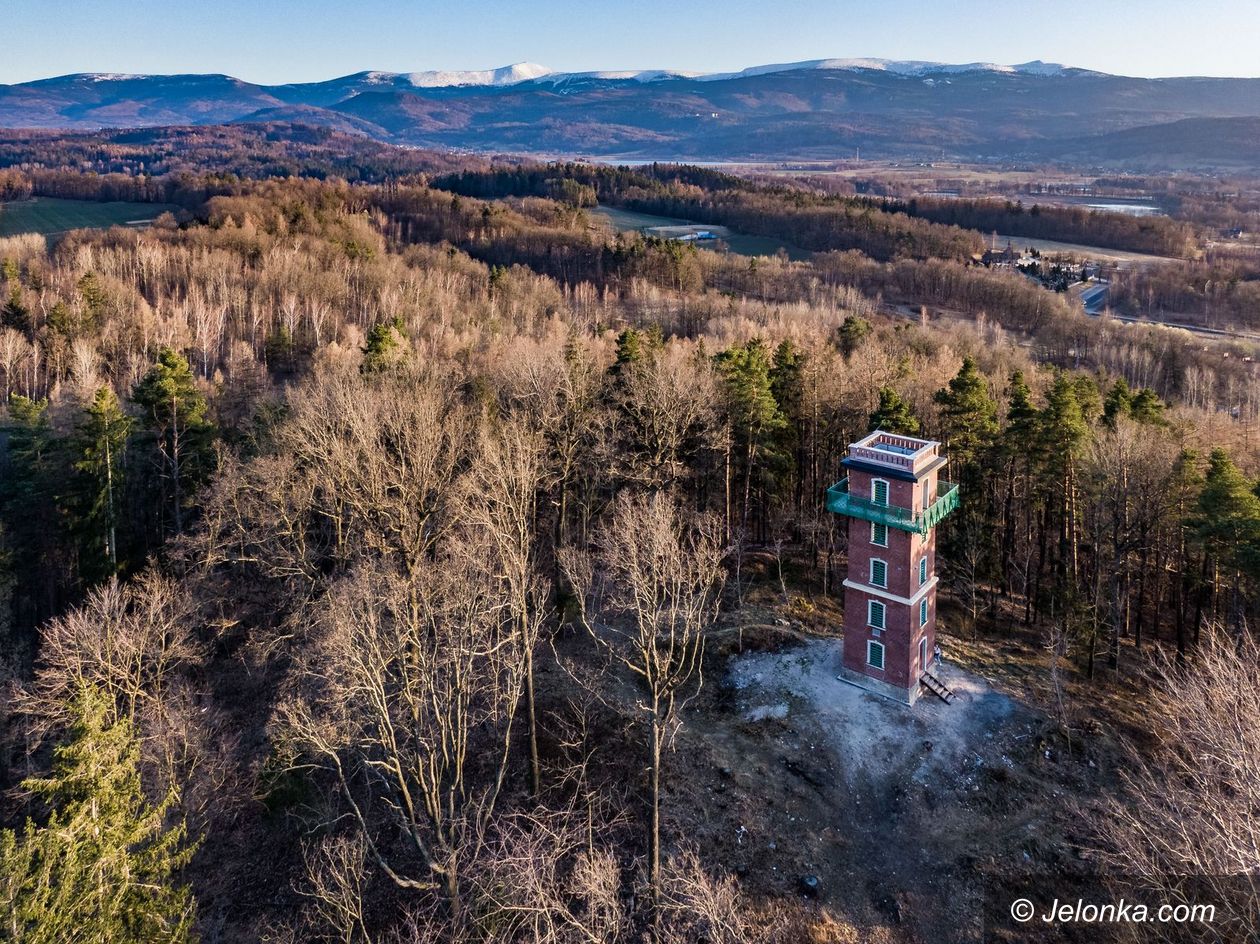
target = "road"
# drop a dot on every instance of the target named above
(1093, 297)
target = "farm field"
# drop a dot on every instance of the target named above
(1098, 253)
(52, 217)
(740, 243)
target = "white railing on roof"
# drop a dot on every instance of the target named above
(916, 450)
(882, 456)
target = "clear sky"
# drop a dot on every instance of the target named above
(271, 41)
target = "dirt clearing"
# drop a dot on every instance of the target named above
(899, 812)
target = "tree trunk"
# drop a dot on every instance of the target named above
(654, 830)
(535, 767)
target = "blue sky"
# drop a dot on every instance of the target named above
(283, 40)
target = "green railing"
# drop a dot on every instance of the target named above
(903, 519)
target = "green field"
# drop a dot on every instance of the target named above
(52, 217)
(740, 243)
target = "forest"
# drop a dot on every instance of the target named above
(1152, 234)
(371, 554)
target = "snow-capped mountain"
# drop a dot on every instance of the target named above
(520, 72)
(822, 108)
(895, 66)
(505, 75)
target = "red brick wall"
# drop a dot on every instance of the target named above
(902, 633)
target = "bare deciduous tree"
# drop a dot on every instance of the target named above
(696, 906)
(663, 577)
(666, 410)
(544, 881)
(335, 875)
(412, 689)
(499, 502)
(357, 470)
(1190, 807)
(125, 639)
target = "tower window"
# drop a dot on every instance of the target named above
(875, 654)
(875, 614)
(922, 570)
(879, 534)
(879, 573)
(879, 491)
(923, 612)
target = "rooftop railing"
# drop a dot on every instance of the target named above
(905, 452)
(842, 502)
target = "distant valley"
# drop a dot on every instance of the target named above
(822, 109)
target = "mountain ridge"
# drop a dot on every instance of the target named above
(816, 109)
(519, 72)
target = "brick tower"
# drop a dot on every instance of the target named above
(893, 498)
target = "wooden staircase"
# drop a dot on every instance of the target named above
(937, 688)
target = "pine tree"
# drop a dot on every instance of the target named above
(1228, 523)
(94, 301)
(102, 869)
(1147, 407)
(28, 505)
(751, 407)
(1184, 487)
(1021, 416)
(629, 351)
(1088, 399)
(1020, 449)
(175, 411)
(1118, 402)
(1064, 434)
(968, 419)
(100, 444)
(634, 346)
(893, 414)
(969, 429)
(853, 330)
(15, 314)
(787, 385)
(385, 348)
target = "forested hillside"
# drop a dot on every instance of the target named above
(369, 553)
(823, 109)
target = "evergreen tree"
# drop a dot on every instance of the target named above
(1022, 416)
(1088, 400)
(968, 420)
(94, 301)
(100, 445)
(751, 407)
(785, 378)
(1228, 523)
(853, 330)
(1064, 434)
(14, 655)
(102, 869)
(1118, 402)
(893, 414)
(629, 350)
(1144, 406)
(788, 388)
(15, 314)
(1184, 487)
(386, 347)
(1147, 407)
(633, 346)
(28, 507)
(175, 411)
(969, 429)
(1022, 455)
